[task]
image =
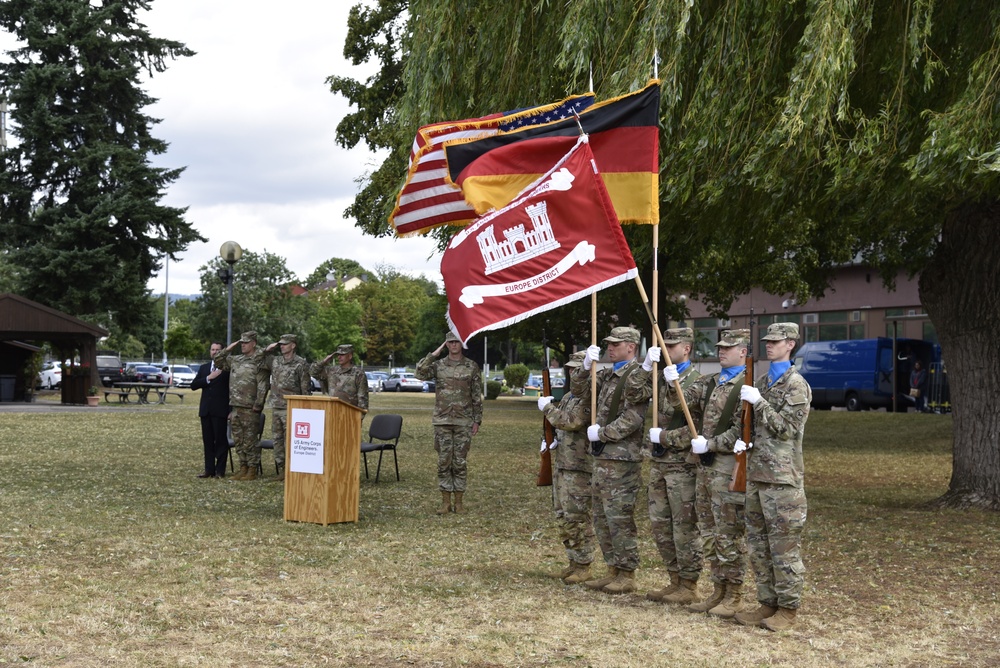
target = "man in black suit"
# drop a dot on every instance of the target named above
(214, 414)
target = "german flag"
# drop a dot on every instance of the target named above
(624, 135)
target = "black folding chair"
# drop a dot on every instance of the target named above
(385, 429)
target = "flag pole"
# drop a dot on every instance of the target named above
(656, 266)
(666, 357)
(593, 366)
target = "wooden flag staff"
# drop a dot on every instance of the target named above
(666, 356)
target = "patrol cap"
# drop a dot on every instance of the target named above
(781, 330)
(345, 349)
(734, 337)
(248, 337)
(288, 338)
(619, 334)
(576, 359)
(451, 336)
(678, 335)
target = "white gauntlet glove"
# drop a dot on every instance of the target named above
(593, 354)
(652, 356)
(670, 373)
(740, 446)
(654, 435)
(554, 444)
(699, 445)
(543, 402)
(592, 433)
(750, 394)
(542, 449)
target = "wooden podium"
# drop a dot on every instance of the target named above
(322, 459)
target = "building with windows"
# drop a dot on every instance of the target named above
(856, 306)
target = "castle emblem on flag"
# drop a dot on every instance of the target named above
(518, 245)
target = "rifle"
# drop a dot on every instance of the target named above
(738, 483)
(549, 434)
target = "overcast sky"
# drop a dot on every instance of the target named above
(254, 123)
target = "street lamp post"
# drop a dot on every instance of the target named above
(231, 253)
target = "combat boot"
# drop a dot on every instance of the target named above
(731, 603)
(685, 594)
(458, 502)
(280, 477)
(580, 573)
(658, 594)
(602, 582)
(718, 592)
(566, 572)
(755, 617)
(251, 473)
(445, 504)
(782, 620)
(623, 583)
(242, 473)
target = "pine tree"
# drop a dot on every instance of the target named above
(80, 208)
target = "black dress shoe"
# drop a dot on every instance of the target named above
(204, 475)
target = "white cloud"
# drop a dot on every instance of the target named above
(253, 121)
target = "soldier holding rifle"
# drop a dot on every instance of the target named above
(573, 466)
(775, 498)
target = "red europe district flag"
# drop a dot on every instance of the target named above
(556, 242)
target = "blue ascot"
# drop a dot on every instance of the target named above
(776, 371)
(728, 373)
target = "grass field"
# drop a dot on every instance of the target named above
(113, 553)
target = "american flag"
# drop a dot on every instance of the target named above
(428, 199)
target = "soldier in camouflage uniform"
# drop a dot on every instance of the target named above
(248, 385)
(616, 443)
(776, 498)
(289, 375)
(571, 475)
(673, 520)
(343, 380)
(714, 404)
(458, 412)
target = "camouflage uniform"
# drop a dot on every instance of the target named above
(618, 467)
(673, 519)
(571, 475)
(720, 512)
(776, 499)
(350, 384)
(458, 405)
(248, 386)
(287, 377)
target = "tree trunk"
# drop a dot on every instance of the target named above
(960, 288)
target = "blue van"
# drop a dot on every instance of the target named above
(858, 374)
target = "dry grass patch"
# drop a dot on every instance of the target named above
(112, 552)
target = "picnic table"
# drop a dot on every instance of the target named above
(127, 391)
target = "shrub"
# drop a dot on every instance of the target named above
(493, 389)
(516, 376)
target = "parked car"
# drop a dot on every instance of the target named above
(146, 373)
(50, 376)
(376, 380)
(110, 368)
(399, 382)
(430, 386)
(182, 375)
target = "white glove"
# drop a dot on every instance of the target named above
(593, 354)
(543, 402)
(654, 434)
(555, 444)
(750, 394)
(740, 446)
(652, 356)
(592, 433)
(699, 445)
(670, 373)
(542, 449)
